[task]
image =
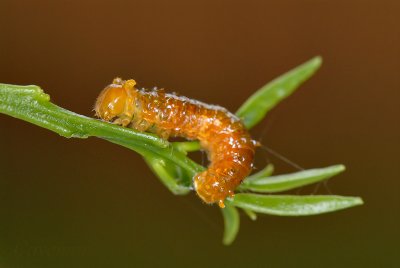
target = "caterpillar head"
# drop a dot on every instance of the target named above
(114, 99)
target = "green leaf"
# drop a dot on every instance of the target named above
(251, 214)
(286, 182)
(291, 205)
(263, 173)
(231, 223)
(169, 175)
(187, 146)
(266, 98)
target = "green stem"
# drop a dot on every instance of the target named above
(29, 103)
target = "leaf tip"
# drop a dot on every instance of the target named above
(353, 202)
(358, 201)
(340, 168)
(251, 214)
(316, 61)
(227, 241)
(231, 223)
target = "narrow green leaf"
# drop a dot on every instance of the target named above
(251, 214)
(187, 146)
(286, 182)
(231, 223)
(168, 176)
(266, 98)
(291, 205)
(265, 172)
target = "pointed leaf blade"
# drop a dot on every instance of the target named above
(291, 205)
(251, 214)
(231, 223)
(290, 181)
(168, 175)
(263, 173)
(266, 98)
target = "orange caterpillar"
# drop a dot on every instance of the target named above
(229, 145)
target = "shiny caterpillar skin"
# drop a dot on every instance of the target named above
(228, 144)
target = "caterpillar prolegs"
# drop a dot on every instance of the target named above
(228, 144)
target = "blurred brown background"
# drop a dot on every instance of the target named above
(89, 203)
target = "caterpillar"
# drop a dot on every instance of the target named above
(228, 144)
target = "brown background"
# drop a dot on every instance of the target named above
(89, 202)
